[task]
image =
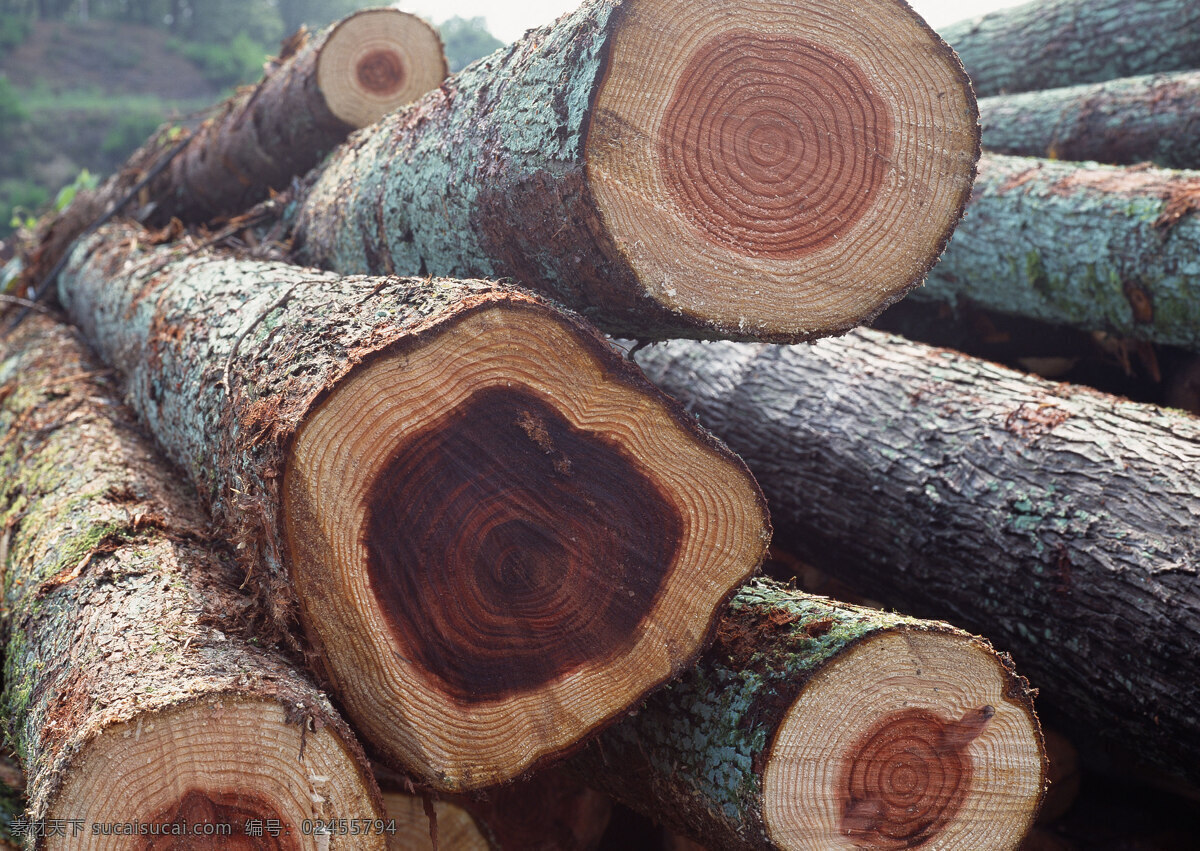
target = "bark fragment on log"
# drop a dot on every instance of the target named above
(1103, 248)
(641, 161)
(1155, 118)
(1047, 44)
(498, 533)
(1062, 523)
(130, 692)
(819, 725)
(351, 75)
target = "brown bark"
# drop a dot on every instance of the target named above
(257, 141)
(496, 533)
(1153, 118)
(1060, 522)
(132, 692)
(671, 169)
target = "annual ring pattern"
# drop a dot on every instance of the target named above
(508, 547)
(772, 145)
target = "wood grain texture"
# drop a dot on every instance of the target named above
(813, 724)
(131, 692)
(1051, 43)
(1057, 521)
(302, 404)
(638, 160)
(1102, 248)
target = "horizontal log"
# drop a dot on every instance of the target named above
(813, 724)
(263, 137)
(1153, 118)
(642, 160)
(131, 691)
(1101, 248)
(495, 532)
(1046, 44)
(1062, 523)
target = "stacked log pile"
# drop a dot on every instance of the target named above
(521, 568)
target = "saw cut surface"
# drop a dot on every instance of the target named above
(376, 61)
(908, 741)
(502, 542)
(760, 160)
(206, 765)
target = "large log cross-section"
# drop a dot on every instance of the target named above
(499, 534)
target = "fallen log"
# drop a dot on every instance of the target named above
(308, 102)
(1061, 522)
(496, 533)
(1051, 43)
(775, 170)
(131, 693)
(1131, 120)
(813, 724)
(1102, 248)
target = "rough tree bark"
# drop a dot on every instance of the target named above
(818, 725)
(1051, 43)
(131, 693)
(498, 533)
(761, 169)
(1131, 120)
(308, 102)
(1102, 248)
(1062, 523)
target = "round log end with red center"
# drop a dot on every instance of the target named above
(502, 537)
(231, 771)
(908, 740)
(787, 170)
(377, 60)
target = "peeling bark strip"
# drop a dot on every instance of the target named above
(764, 169)
(1062, 523)
(1046, 44)
(500, 535)
(1101, 248)
(360, 69)
(817, 725)
(1131, 120)
(130, 692)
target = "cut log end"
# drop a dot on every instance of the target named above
(910, 740)
(377, 60)
(499, 567)
(800, 141)
(226, 766)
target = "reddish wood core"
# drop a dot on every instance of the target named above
(906, 779)
(191, 824)
(507, 547)
(773, 146)
(380, 72)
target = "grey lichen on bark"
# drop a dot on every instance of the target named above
(1051, 43)
(1152, 118)
(293, 396)
(581, 160)
(1058, 521)
(708, 754)
(1102, 248)
(122, 614)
